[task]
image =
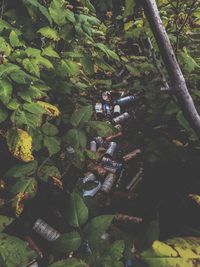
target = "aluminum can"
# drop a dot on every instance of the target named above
(125, 100)
(111, 165)
(99, 140)
(90, 177)
(125, 116)
(45, 230)
(93, 146)
(117, 110)
(111, 149)
(99, 108)
(108, 183)
(106, 109)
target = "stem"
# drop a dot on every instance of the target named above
(175, 74)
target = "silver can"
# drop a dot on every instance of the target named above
(93, 146)
(45, 230)
(125, 100)
(99, 108)
(117, 110)
(111, 149)
(111, 165)
(99, 140)
(125, 116)
(90, 177)
(109, 182)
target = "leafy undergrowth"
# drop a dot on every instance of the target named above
(56, 58)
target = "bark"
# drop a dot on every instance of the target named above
(175, 74)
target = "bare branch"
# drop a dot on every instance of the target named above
(175, 74)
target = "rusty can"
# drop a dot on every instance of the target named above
(108, 183)
(125, 116)
(125, 100)
(114, 136)
(93, 146)
(131, 155)
(111, 149)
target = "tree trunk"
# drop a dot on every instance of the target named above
(175, 74)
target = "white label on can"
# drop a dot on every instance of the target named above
(99, 108)
(117, 109)
(45, 230)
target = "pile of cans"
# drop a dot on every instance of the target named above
(107, 173)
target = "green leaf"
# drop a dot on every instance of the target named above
(41, 8)
(57, 11)
(87, 3)
(76, 138)
(96, 228)
(5, 221)
(129, 7)
(49, 129)
(3, 115)
(117, 249)
(5, 47)
(48, 171)
(7, 68)
(82, 115)
(5, 91)
(52, 144)
(78, 211)
(102, 129)
(22, 255)
(25, 185)
(31, 65)
(21, 118)
(68, 67)
(14, 40)
(34, 108)
(33, 52)
(107, 51)
(21, 77)
(69, 263)
(173, 252)
(50, 52)
(22, 170)
(67, 242)
(49, 33)
(182, 121)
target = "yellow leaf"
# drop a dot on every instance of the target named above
(51, 110)
(20, 144)
(163, 249)
(195, 198)
(128, 25)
